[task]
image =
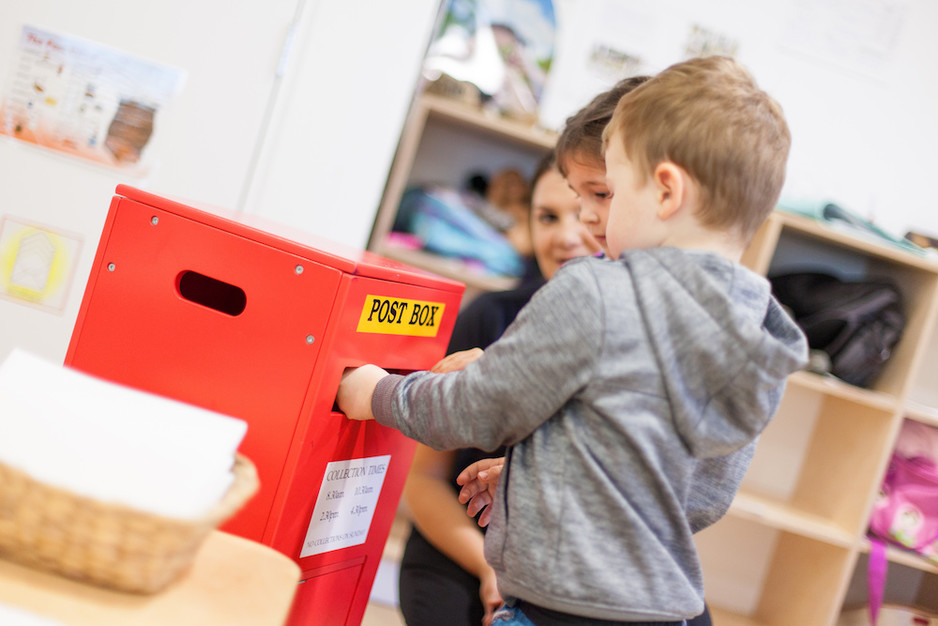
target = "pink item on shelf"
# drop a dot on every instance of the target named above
(917, 440)
(404, 240)
(906, 512)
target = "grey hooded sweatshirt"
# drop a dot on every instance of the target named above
(622, 388)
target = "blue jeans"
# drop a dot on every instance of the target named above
(510, 616)
(513, 616)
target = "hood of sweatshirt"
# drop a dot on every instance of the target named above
(724, 344)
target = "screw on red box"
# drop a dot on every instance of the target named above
(249, 320)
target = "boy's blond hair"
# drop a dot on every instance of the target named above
(708, 116)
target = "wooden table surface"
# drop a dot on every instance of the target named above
(232, 582)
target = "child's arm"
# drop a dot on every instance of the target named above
(358, 383)
(544, 359)
(438, 514)
(356, 389)
(441, 519)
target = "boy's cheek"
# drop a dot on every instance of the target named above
(615, 241)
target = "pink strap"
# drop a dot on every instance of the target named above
(876, 577)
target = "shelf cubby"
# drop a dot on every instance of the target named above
(779, 581)
(443, 142)
(922, 413)
(911, 581)
(814, 457)
(795, 536)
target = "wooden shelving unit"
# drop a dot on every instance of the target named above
(449, 268)
(795, 537)
(443, 141)
(922, 413)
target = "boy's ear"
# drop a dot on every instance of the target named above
(670, 188)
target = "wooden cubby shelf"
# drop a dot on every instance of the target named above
(481, 122)
(781, 516)
(835, 387)
(449, 268)
(797, 529)
(903, 557)
(922, 413)
(443, 141)
(724, 617)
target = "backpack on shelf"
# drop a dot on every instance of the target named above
(855, 324)
(906, 512)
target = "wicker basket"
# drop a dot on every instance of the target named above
(106, 544)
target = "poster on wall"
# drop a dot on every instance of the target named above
(617, 39)
(703, 42)
(494, 52)
(37, 263)
(597, 48)
(857, 36)
(85, 99)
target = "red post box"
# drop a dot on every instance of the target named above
(215, 310)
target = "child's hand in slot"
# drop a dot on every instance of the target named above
(356, 389)
(456, 361)
(479, 481)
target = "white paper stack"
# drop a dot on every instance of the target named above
(14, 616)
(113, 443)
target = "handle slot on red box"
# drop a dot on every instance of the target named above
(212, 293)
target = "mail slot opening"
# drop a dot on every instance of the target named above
(212, 293)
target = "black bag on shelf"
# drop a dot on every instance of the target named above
(856, 323)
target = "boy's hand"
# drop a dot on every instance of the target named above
(488, 593)
(456, 361)
(479, 481)
(356, 389)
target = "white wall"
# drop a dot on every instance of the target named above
(340, 117)
(309, 147)
(198, 143)
(864, 119)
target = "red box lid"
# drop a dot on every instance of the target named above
(318, 249)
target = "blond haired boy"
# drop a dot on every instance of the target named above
(619, 377)
(703, 135)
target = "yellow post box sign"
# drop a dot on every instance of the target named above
(399, 316)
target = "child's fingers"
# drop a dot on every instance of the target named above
(490, 476)
(442, 366)
(469, 491)
(456, 361)
(478, 502)
(471, 473)
(485, 517)
(468, 475)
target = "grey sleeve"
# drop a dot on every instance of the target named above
(715, 483)
(541, 362)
